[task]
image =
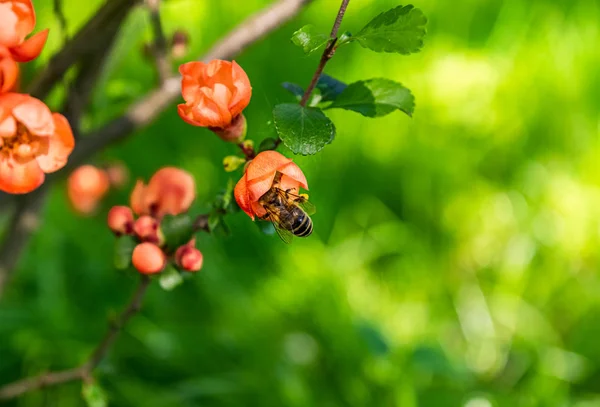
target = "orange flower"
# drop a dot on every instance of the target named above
(258, 179)
(33, 141)
(86, 186)
(170, 191)
(9, 71)
(215, 93)
(17, 20)
(148, 258)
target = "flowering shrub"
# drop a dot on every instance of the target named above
(156, 233)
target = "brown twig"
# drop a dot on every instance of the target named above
(85, 42)
(84, 371)
(327, 53)
(159, 46)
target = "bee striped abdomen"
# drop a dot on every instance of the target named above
(302, 225)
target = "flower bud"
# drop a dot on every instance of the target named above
(233, 162)
(120, 220)
(189, 258)
(148, 258)
(235, 132)
(86, 186)
(146, 229)
(118, 175)
(179, 44)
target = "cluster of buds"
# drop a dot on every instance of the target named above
(170, 191)
(88, 185)
(33, 140)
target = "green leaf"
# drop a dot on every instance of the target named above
(399, 30)
(294, 89)
(93, 395)
(308, 39)
(178, 230)
(269, 143)
(170, 278)
(375, 98)
(123, 249)
(304, 130)
(329, 87)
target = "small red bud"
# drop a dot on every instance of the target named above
(189, 258)
(120, 220)
(148, 258)
(146, 229)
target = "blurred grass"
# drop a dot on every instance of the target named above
(454, 260)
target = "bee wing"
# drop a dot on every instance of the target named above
(284, 234)
(299, 200)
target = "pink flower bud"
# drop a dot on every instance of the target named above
(148, 258)
(146, 229)
(189, 258)
(120, 220)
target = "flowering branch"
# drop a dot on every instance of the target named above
(84, 371)
(146, 110)
(159, 48)
(140, 113)
(327, 53)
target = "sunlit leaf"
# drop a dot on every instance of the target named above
(309, 39)
(399, 30)
(375, 98)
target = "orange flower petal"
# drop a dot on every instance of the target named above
(30, 48)
(26, 17)
(9, 35)
(9, 73)
(259, 186)
(8, 127)
(60, 145)
(172, 190)
(240, 192)
(20, 178)
(243, 90)
(35, 115)
(265, 163)
(207, 113)
(258, 210)
(137, 198)
(289, 184)
(295, 173)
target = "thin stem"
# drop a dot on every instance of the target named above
(84, 371)
(327, 53)
(159, 48)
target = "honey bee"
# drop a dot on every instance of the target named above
(288, 212)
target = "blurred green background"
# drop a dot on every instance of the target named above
(455, 255)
